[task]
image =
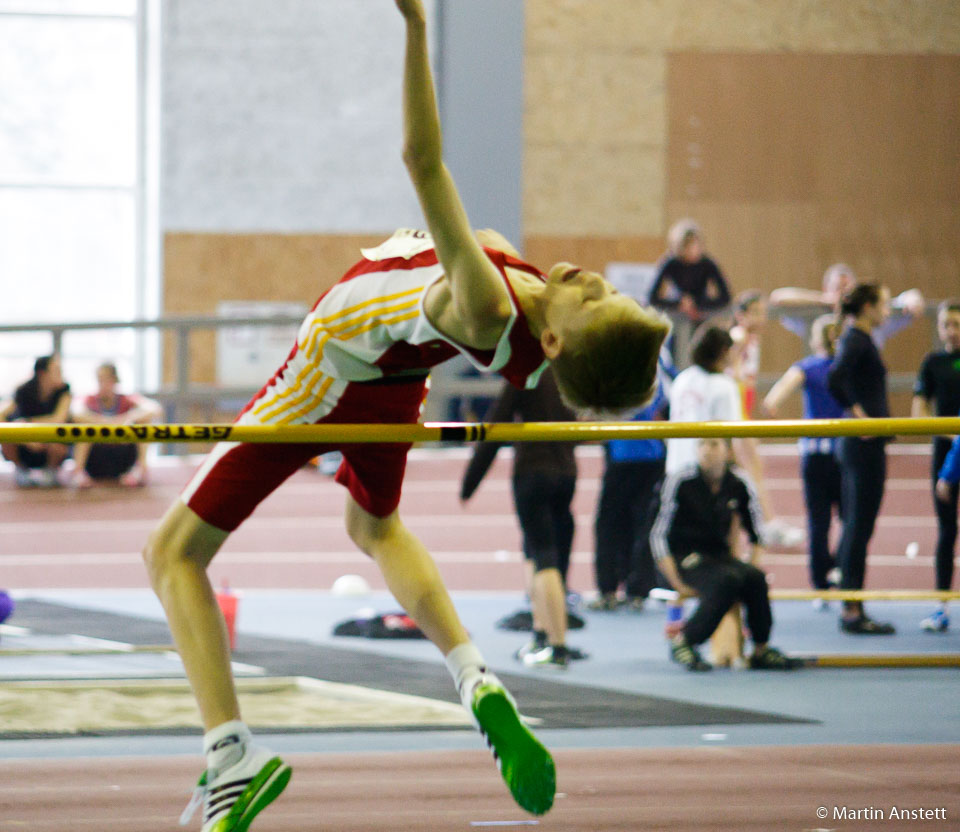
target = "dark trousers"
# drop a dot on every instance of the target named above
(720, 583)
(946, 518)
(546, 522)
(622, 553)
(863, 474)
(821, 492)
(111, 461)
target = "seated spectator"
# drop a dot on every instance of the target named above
(839, 279)
(127, 462)
(690, 540)
(44, 398)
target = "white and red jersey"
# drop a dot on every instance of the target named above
(372, 325)
(361, 356)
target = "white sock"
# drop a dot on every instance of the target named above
(225, 744)
(467, 667)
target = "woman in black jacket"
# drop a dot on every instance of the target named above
(858, 381)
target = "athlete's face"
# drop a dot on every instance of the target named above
(754, 317)
(52, 377)
(691, 251)
(713, 454)
(106, 383)
(948, 328)
(576, 300)
(838, 283)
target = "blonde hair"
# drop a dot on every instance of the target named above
(824, 332)
(680, 232)
(612, 366)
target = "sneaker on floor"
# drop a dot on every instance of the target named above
(525, 765)
(551, 657)
(635, 603)
(22, 478)
(865, 626)
(687, 656)
(772, 659)
(135, 478)
(779, 533)
(939, 622)
(530, 647)
(232, 798)
(575, 654)
(45, 477)
(82, 480)
(607, 602)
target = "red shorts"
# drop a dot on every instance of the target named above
(236, 477)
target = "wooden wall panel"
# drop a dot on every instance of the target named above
(792, 162)
(591, 252)
(200, 270)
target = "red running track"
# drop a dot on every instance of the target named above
(69, 539)
(656, 790)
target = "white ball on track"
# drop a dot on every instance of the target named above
(350, 585)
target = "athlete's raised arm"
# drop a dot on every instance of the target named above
(479, 298)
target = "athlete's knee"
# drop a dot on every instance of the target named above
(367, 530)
(180, 538)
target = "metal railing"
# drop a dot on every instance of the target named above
(447, 382)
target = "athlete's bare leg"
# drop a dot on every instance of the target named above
(549, 603)
(177, 554)
(410, 573)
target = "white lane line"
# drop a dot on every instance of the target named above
(414, 521)
(355, 556)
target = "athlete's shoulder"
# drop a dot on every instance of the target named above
(405, 243)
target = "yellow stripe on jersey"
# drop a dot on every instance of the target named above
(370, 324)
(286, 420)
(317, 324)
(313, 343)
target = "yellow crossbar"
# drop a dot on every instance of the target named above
(883, 660)
(21, 432)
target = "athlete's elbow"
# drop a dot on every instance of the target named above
(421, 160)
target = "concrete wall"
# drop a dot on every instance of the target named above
(281, 130)
(283, 116)
(596, 93)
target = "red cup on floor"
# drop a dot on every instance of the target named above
(228, 603)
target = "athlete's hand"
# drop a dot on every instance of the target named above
(412, 9)
(942, 490)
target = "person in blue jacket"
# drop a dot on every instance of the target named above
(946, 489)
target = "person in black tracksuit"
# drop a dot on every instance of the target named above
(544, 480)
(690, 540)
(858, 381)
(937, 393)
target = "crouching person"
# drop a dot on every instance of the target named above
(691, 542)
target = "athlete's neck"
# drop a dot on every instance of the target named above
(530, 292)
